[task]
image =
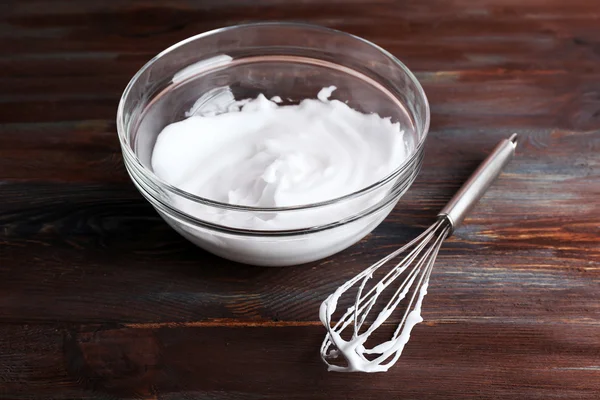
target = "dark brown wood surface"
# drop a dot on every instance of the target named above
(99, 299)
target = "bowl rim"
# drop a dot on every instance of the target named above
(128, 151)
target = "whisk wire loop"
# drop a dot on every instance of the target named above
(416, 265)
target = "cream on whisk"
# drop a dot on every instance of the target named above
(259, 153)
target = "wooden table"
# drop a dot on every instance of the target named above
(99, 299)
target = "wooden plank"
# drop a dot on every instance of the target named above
(110, 361)
(133, 277)
(524, 239)
(427, 37)
(512, 247)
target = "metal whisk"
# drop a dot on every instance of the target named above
(414, 262)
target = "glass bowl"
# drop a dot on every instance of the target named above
(292, 61)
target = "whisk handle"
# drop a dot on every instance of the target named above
(469, 194)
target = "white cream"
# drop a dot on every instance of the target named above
(258, 153)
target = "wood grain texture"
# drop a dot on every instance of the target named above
(99, 299)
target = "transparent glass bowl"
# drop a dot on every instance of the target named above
(293, 61)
